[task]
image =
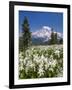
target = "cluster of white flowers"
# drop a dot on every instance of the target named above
(41, 62)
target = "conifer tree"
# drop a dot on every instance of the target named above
(26, 34)
(55, 38)
(52, 41)
(61, 41)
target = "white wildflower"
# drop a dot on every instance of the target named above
(25, 60)
(51, 69)
(21, 67)
(54, 62)
(57, 52)
(20, 59)
(41, 72)
(36, 59)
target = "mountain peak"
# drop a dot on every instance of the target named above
(44, 33)
(46, 27)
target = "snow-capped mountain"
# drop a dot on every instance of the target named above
(44, 34)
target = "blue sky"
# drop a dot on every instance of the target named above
(39, 19)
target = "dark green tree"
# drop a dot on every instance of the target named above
(20, 43)
(55, 38)
(52, 40)
(61, 41)
(26, 34)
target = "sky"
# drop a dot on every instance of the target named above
(39, 19)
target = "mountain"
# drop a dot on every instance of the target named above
(43, 35)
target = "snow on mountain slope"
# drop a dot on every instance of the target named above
(45, 33)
